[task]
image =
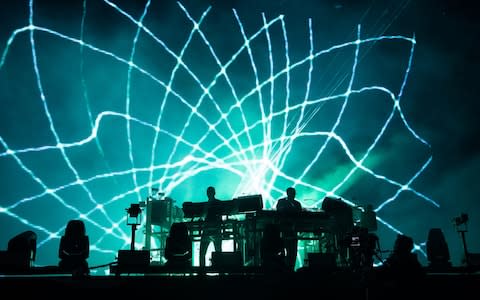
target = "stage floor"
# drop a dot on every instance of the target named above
(339, 284)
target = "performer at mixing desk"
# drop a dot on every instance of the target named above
(286, 206)
(212, 230)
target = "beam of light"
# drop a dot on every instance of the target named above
(127, 100)
(257, 153)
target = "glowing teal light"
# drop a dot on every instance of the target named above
(260, 167)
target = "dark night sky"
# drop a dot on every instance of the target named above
(440, 100)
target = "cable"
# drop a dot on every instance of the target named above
(103, 266)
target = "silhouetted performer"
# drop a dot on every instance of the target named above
(74, 249)
(288, 206)
(212, 229)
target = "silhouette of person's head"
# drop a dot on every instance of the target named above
(291, 193)
(211, 193)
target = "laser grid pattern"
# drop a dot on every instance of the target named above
(258, 163)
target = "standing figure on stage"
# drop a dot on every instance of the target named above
(285, 206)
(212, 231)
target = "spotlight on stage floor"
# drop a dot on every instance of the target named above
(20, 254)
(74, 249)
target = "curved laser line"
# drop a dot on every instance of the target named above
(241, 160)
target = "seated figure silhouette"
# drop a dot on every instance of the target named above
(178, 246)
(74, 249)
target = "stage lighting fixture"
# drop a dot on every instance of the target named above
(402, 263)
(178, 246)
(460, 220)
(74, 248)
(133, 220)
(437, 249)
(21, 252)
(134, 210)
